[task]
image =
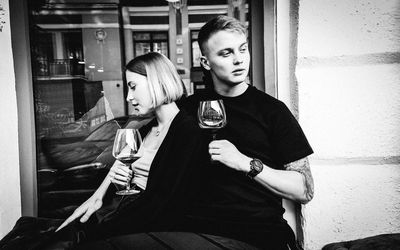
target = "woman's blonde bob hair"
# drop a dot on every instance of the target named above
(165, 84)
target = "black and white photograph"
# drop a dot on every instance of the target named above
(200, 124)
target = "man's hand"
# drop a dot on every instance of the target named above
(225, 152)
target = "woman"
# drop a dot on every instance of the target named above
(171, 147)
(153, 87)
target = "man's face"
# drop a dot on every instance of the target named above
(227, 57)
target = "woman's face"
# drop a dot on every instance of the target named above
(139, 93)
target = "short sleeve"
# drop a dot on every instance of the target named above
(289, 139)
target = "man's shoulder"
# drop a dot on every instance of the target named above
(190, 103)
(265, 99)
(199, 95)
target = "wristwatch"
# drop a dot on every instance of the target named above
(256, 166)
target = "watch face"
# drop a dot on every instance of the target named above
(257, 165)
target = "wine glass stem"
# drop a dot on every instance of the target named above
(128, 185)
(214, 136)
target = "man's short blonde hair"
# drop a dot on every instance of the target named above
(165, 84)
(219, 23)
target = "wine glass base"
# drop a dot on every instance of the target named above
(128, 192)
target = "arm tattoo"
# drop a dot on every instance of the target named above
(303, 167)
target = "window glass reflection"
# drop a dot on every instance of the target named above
(145, 42)
(78, 94)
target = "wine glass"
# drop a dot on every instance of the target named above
(212, 116)
(126, 146)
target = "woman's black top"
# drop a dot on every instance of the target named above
(161, 205)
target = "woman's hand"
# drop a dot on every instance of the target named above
(120, 174)
(85, 210)
(225, 152)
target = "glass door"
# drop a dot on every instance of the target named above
(79, 100)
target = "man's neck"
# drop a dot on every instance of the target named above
(231, 91)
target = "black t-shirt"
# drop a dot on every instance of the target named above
(229, 203)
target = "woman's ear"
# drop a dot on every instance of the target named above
(204, 62)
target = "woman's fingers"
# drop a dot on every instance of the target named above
(66, 222)
(122, 183)
(121, 178)
(87, 215)
(122, 167)
(120, 175)
(124, 171)
(84, 211)
(70, 219)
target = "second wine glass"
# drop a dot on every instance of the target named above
(126, 145)
(211, 115)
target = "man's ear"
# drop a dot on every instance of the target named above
(204, 62)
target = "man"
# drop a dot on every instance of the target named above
(262, 152)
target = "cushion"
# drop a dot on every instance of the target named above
(377, 242)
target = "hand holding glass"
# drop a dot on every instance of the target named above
(211, 115)
(126, 145)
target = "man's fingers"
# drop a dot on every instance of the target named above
(213, 144)
(214, 151)
(216, 158)
(218, 144)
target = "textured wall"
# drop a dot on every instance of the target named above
(348, 27)
(351, 111)
(348, 76)
(352, 201)
(10, 199)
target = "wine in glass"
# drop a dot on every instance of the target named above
(211, 115)
(126, 146)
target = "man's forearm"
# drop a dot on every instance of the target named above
(302, 166)
(294, 183)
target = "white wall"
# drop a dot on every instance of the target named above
(351, 111)
(10, 205)
(349, 106)
(352, 201)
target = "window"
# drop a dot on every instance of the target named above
(77, 78)
(195, 49)
(144, 42)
